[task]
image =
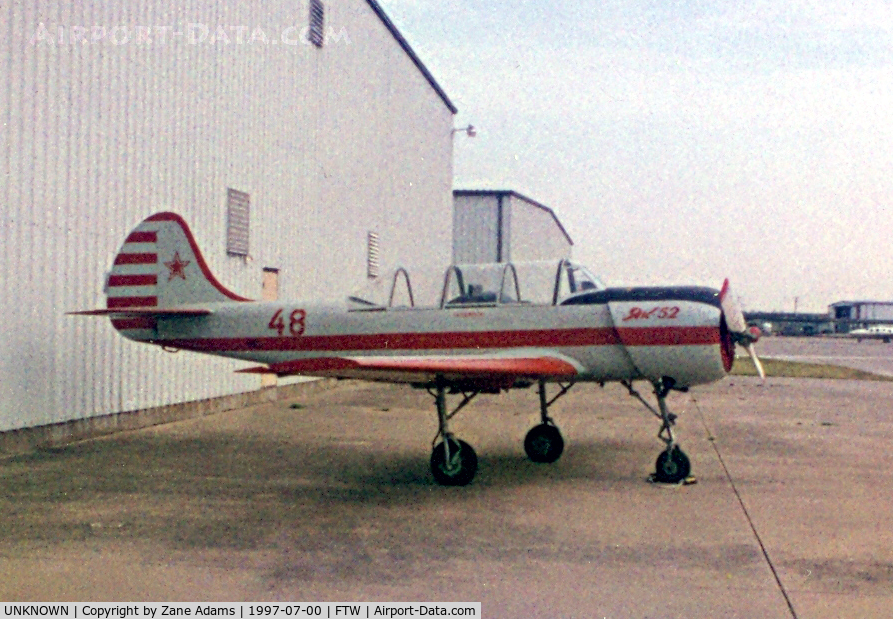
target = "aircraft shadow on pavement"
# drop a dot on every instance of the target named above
(236, 492)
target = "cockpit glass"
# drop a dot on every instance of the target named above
(473, 284)
(575, 279)
(583, 279)
(520, 283)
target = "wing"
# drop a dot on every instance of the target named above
(479, 371)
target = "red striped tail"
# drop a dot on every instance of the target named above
(160, 266)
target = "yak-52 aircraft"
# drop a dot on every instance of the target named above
(496, 327)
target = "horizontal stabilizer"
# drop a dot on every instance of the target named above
(146, 312)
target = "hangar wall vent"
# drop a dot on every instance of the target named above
(373, 261)
(238, 205)
(317, 22)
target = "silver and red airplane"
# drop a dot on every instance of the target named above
(495, 327)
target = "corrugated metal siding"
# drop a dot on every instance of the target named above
(534, 233)
(329, 143)
(475, 228)
(875, 311)
(500, 225)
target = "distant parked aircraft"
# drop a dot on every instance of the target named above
(875, 332)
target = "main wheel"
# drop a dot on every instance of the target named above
(672, 466)
(544, 444)
(459, 469)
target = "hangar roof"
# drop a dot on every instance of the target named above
(412, 55)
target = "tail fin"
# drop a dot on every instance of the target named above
(160, 266)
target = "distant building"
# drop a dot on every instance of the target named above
(790, 323)
(855, 314)
(504, 226)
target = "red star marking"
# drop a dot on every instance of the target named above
(177, 267)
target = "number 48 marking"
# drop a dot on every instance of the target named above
(295, 322)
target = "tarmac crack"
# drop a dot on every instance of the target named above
(747, 516)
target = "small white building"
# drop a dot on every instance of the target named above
(504, 226)
(303, 141)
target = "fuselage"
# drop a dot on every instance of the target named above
(609, 335)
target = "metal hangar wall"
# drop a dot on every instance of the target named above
(505, 226)
(307, 127)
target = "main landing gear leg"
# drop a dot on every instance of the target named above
(543, 443)
(672, 465)
(453, 461)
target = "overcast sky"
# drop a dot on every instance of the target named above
(683, 142)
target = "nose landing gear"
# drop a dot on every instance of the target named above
(672, 465)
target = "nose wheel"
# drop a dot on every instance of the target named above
(672, 466)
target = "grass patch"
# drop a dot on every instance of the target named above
(796, 369)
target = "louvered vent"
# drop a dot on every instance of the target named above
(317, 14)
(372, 256)
(237, 222)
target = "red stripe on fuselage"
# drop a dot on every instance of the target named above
(668, 336)
(550, 338)
(133, 280)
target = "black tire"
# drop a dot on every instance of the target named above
(544, 444)
(672, 466)
(463, 464)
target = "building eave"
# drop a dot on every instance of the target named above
(863, 302)
(412, 55)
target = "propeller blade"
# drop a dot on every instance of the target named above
(734, 316)
(756, 361)
(737, 324)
